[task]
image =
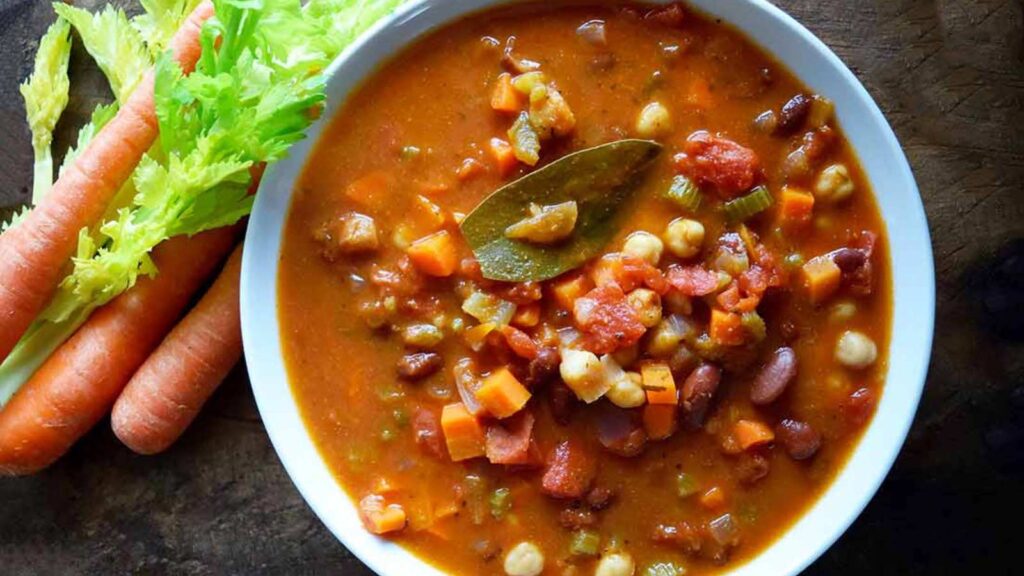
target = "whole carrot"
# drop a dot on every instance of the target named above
(33, 253)
(165, 395)
(79, 383)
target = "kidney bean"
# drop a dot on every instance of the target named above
(751, 468)
(543, 367)
(798, 438)
(774, 377)
(849, 259)
(576, 518)
(793, 114)
(600, 498)
(698, 391)
(419, 365)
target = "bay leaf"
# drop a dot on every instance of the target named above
(599, 179)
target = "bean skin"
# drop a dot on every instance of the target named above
(793, 114)
(774, 377)
(698, 390)
(849, 259)
(798, 438)
(419, 365)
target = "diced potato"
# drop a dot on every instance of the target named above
(357, 234)
(584, 374)
(821, 278)
(615, 564)
(422, 335)
(822, 110)
(684, 237)
(653, 121)
(550, 115)
(645, 246)
(855, 350)
(525, 83)
(834, 184)
(524, 559)
(647, 304)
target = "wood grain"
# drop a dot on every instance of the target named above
(949, 75)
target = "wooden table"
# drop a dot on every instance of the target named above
(949, 76)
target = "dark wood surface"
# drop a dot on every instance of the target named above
(949, 75)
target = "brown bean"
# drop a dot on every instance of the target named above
(849, 259)
(419, 365)
(698, 391)
(576, 518)
(774, 377)
(798, 438)
(543, 367)
(600, 498)
(793, 114)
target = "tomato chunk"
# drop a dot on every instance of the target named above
(607, 320)
(510, 441)
(728, 166)
(571, 471)
(426, 427)
(692, 280)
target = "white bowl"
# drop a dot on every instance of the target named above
(883, 161)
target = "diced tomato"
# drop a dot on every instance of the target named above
(570, 472)
(731, 168)
(520, 342)
(509, 441)
(753, 281)
(519, 293)
(629, 272)
(426, 427)
(731, 300)
(607, 320)
(694, 280)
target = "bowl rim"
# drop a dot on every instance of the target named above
(877, 149)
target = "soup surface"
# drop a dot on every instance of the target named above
(675, 402)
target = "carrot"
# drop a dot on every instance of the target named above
(501, 394)
(78, 383)
(463, 433)
(371, 190)
(726, 328)
(435, 255)
(503, 155)
(33, 254)
(658, 383)
(166, 393)
(381, 519)
(570, 288)
(795, 208)
(505, 98)
(750, 433)
(821, 278)
(659, 420)
(527, 315)
(713, 498)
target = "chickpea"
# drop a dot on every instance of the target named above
(647, 304)
(834, 184)
(855, 350)
(665, 338)
(842, 311)
(653, 121)
(616, 564)
(627, 392)
(645, 246)
(524, 559)
(583, 372)
(684, 237)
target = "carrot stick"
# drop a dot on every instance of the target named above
(81, 380)
(165, 395)
(33, 253)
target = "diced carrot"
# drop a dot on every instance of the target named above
(821, 278)
(502, 394)
(505, 98)
(469, 168)
(659, 420)
(431, 216)
(527, 316)
(726, 328)
(568, 289)
(371, 190)
(435, 255)
(504, 156)
(658, 383)
(463, 433)
(699, 94)
(381, 519)
(795, 208)
(713, 498)
(750, 433)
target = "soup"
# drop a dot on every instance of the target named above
(648, 351)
